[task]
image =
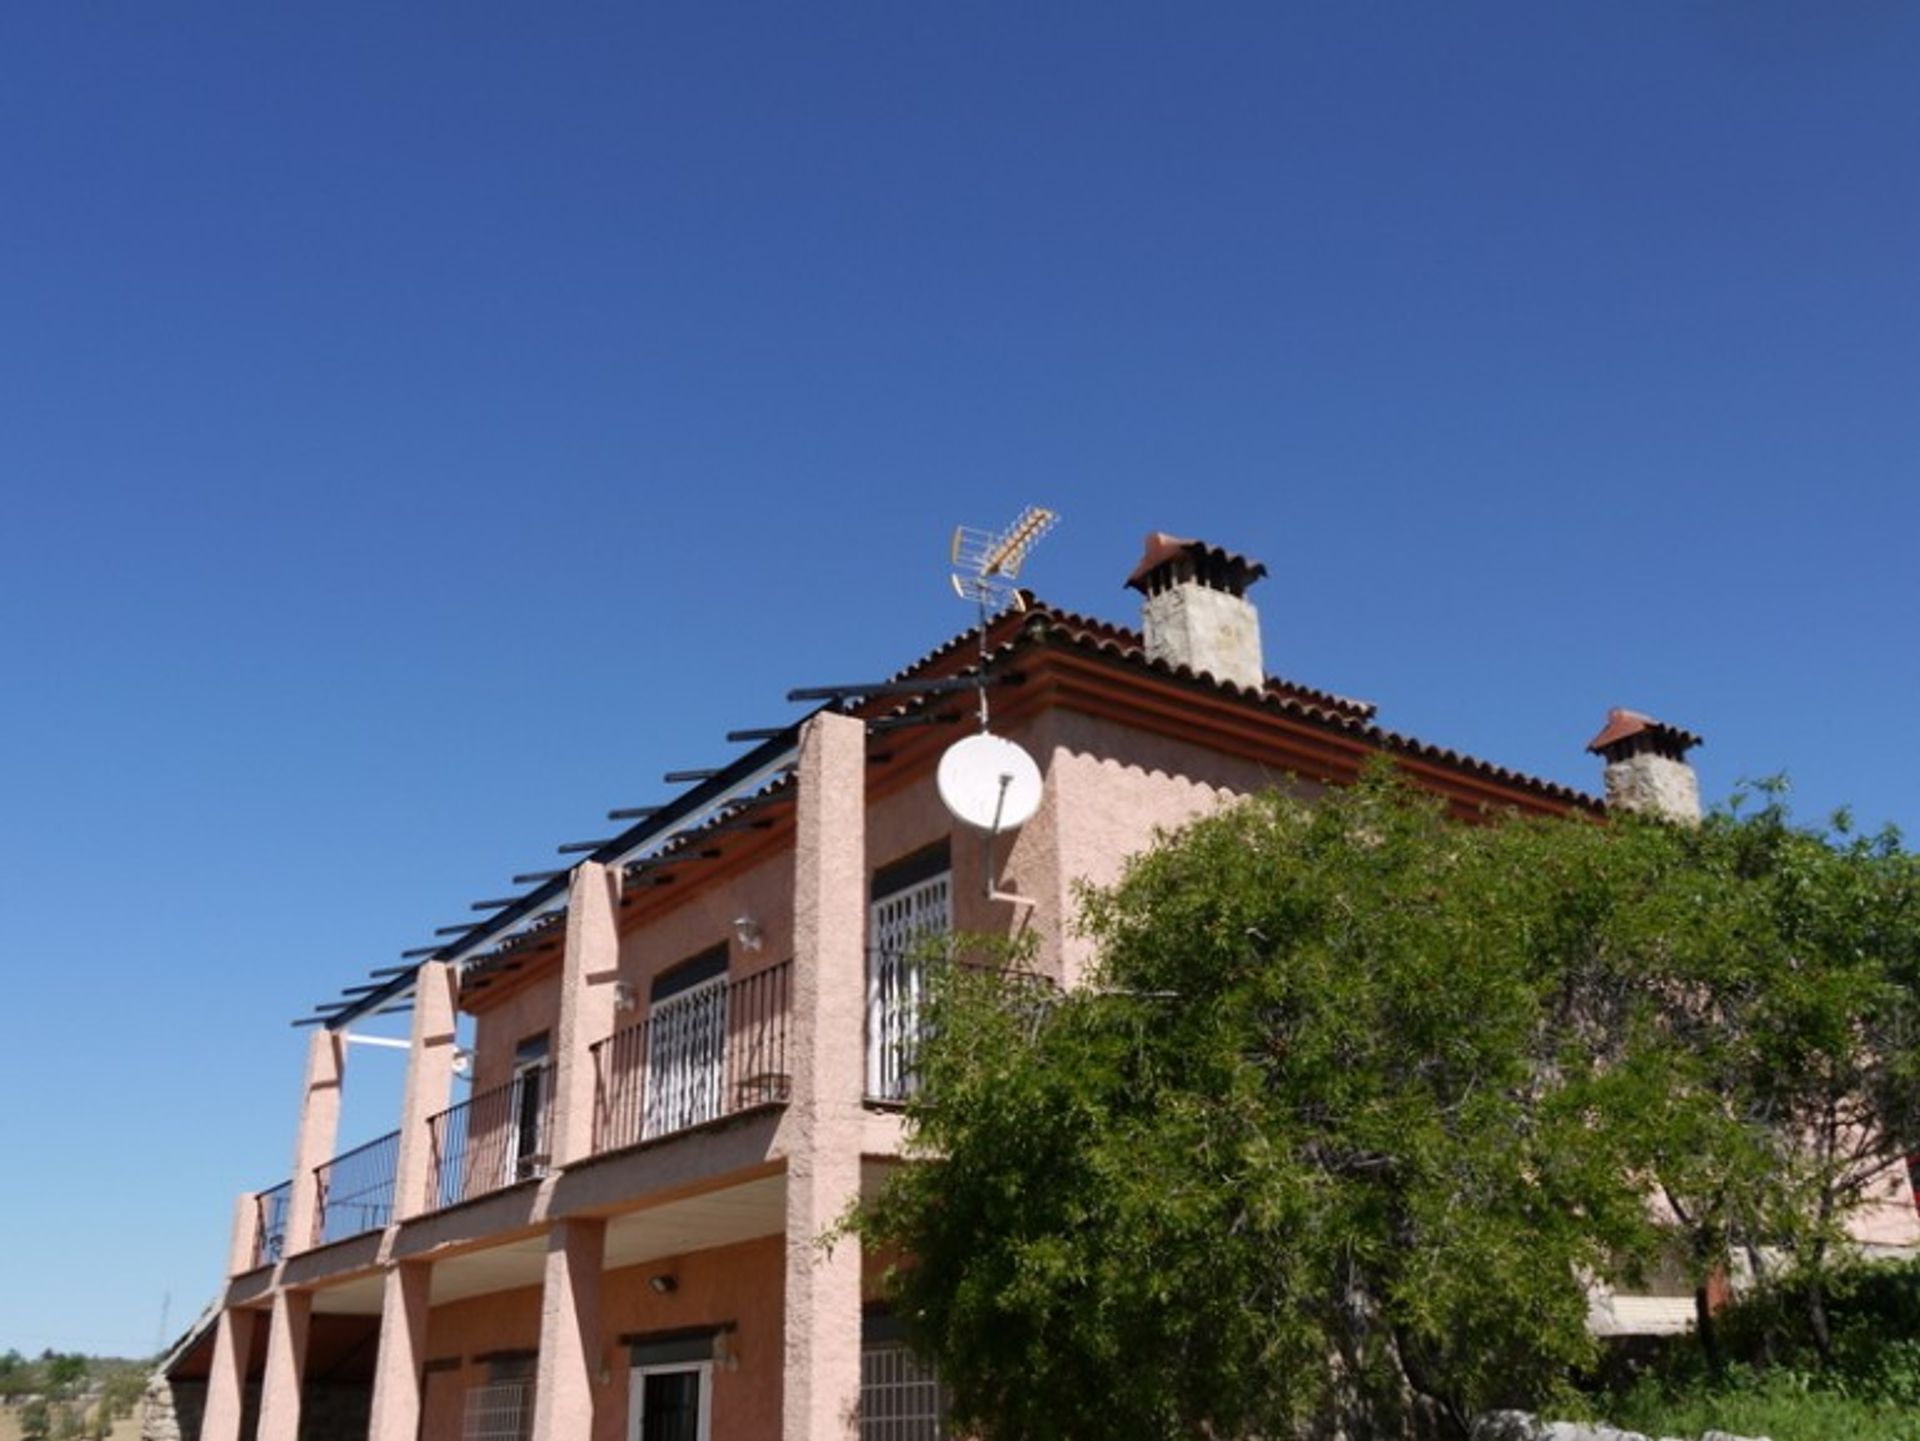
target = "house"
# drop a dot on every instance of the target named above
(690, 1050)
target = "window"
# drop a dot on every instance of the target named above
(532, 1077)
(912, 900)
(901, 1398)
(687, 1045)
(501, 1409)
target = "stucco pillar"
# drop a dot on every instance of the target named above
(589, 975)
(564, 1390)
(403, 1346)
(429, 1086)
(227, 1381)
(319, 1125)
(286, 1366)
(243, 1246)
(821, 1375)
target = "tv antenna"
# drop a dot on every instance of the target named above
(986, 563)
(986, 781)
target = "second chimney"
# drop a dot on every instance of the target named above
(1194, 609)
(1647, 769)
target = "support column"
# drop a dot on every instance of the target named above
(403, 1353)
(564, 1390)
(319, 1126)
(280, 1392)
(589, 976)
(227, 1382)
(429, 1087)
(821, 1376)
(243, 1245)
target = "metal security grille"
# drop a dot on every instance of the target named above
(499, 1411)
(900, 1397)
(896, 980)
(686, 1059)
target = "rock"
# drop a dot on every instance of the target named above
(1519, 1426)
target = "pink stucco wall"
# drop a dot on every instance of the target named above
(737, 1286)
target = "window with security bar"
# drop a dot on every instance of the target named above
(501, 1409)
(913, 902)
(900, 1396)
(686, 1058)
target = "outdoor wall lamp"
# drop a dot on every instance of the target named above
(625, 997)
(663, 1284)
(746, 930)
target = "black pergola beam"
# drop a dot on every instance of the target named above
(939, 685)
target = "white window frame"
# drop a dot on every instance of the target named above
(637, 1394)
(536, 1159)
(679, 1094)
(897, 924)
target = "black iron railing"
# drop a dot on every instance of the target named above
(496, 1138)
(270, 1224)
(355, 1190)
(704, 1054)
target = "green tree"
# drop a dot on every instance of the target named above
(64, 1371)
(1799, 1016)
(1361, 1098)
(1322, 1142)
(36, 1419)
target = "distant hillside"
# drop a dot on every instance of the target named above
(63, 1396)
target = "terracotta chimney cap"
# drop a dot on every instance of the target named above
(1624, 725)
(1238, 571)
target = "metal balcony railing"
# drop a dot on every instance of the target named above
(270, 1224)
(493, 1139)
(355, 1190)
(898, 997)
(709, 1052)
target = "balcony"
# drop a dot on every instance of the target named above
(494, 1139)
(702, 1055)
(270, 1224)
(355, 1191)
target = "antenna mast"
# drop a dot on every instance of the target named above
(986, 567)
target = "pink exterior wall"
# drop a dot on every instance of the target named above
(705, 920)
(532, 1007)
(734, 1285)
(1112, 788)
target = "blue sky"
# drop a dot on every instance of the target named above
(420, 429)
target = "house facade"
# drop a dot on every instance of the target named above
(603, 1216)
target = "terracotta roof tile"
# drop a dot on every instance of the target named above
(1015, 626)
(1623, 725)
(1162, 548)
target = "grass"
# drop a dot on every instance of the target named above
(1779, 1406)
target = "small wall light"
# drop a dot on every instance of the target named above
(463, 1063)
(625, 997)
(663, 1284)
(746, 930)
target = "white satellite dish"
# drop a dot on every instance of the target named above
(989, 783)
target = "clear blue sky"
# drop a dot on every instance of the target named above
(421, 429)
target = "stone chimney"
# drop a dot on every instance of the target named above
(1195, 612)
(1647, 770)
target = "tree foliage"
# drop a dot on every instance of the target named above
(1359, 1099)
